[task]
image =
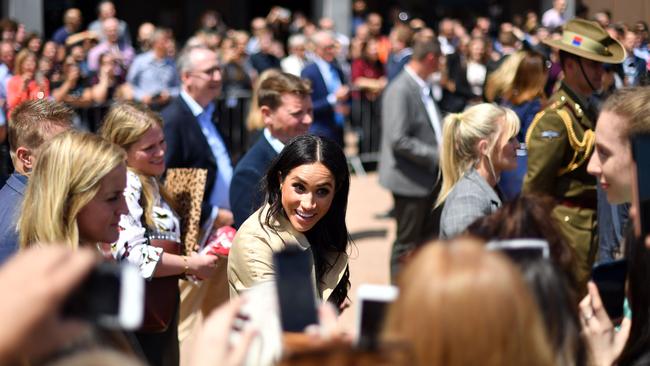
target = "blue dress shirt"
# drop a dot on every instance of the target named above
(219, 198)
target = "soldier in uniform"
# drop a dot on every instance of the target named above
(560, 139)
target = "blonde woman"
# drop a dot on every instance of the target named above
(462, 305)
(150, 231)
(254, 120)
(74, 195)
(478, 145)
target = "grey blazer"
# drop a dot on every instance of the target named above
(471, 198)
(408, 163)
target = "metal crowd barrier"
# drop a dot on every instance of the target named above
(365, 119)
(232, 111)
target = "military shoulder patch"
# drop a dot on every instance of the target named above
(550, 134)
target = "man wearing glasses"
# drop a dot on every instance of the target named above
(192, 135)
(329, 90)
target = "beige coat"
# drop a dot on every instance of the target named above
(251, 257)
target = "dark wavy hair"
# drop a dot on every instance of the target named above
(529, 217)
(638, 276)
(330, 234)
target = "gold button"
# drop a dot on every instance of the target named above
(566, 218)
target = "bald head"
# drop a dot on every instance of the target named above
(72, 19)
(325, 45)
(111, 28)
(326, 24)
(106, 9)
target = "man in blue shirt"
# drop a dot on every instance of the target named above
(192, 136)
(71, 25)
(32, 123)
(329, 90)
(153, 74)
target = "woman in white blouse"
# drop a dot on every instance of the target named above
(150, 232)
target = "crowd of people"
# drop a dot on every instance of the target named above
(492, 134)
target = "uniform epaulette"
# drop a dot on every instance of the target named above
(574, 107)
(581, 148)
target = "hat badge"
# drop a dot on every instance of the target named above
(577, 41)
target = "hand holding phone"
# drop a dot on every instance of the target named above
(610, 279)
(293, 271)
(604, 340)
(373, 302)
(35, 283)
(112, 295)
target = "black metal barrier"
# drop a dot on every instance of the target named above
(365, 118)
(232, 111)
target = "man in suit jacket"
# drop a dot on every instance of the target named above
(408, 164)
(193, 140)
(329, 92)
(285, 105)
(32, 123)
(633, 70)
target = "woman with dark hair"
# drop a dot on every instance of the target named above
(368, 72)
(528, 217)
(637, 348)
(552, 282)
(306, 201)
(557, 304)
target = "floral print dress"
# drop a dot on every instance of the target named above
(133, 244)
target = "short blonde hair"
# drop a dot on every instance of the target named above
(452, 293)
(460, 136)
(125, 124)
(66, 177)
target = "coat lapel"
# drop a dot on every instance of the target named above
(194, 128)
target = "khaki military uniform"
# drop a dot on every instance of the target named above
(560, 141)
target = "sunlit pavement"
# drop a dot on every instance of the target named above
(372, 235)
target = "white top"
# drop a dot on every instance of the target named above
(476, 76)
(293, 64)
(132, 244)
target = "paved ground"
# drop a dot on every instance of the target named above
(372, 236)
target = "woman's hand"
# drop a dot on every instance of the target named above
(328, 328)
(604, 341)
(213, 345)
(202, 266)
(27, 78)
(35, 283)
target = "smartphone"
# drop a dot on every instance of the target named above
(284, 13)
(641, 190)
(610, 279)
(112, 296)
(294, 282)
(373, 302)
(521, 250)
